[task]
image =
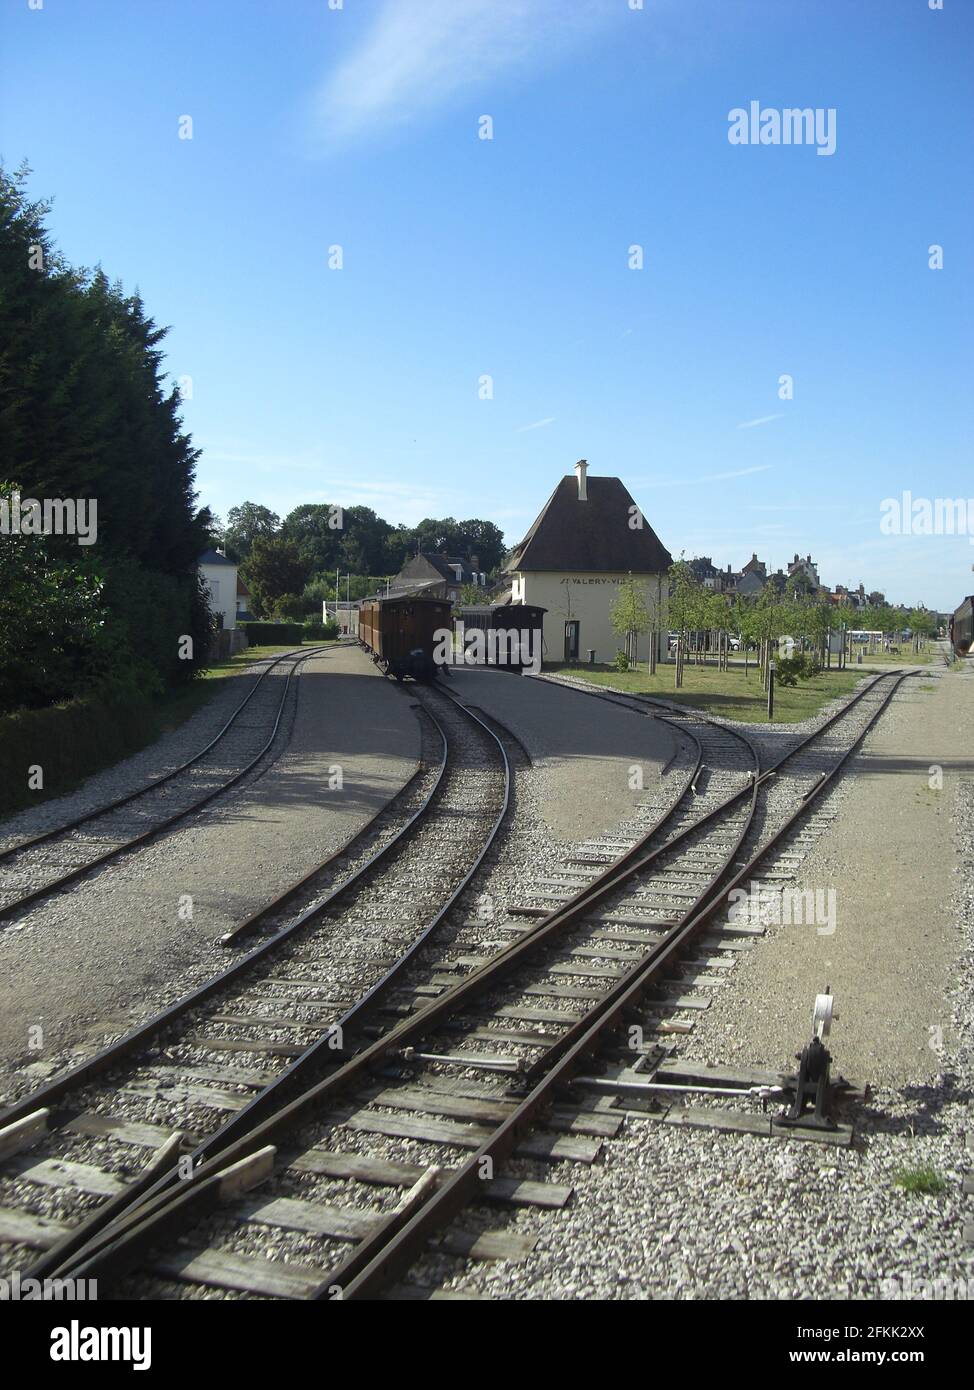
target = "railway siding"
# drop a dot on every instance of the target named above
(120, 949)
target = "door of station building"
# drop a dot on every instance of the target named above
(571, 640)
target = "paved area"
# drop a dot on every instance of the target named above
(890, 856)
(116, 947)
(586, 747)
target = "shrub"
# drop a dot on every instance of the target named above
(290, 609)
(69, 742)
(621, 661)
(791, 669)
(273, 634)
(321, 632)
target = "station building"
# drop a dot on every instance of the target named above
(589, 537)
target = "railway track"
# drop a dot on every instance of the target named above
(271, 1020)
(473, 1061)
(35, 868)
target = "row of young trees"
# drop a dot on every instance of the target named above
(704, 620)
(85, 413)
(290, 565)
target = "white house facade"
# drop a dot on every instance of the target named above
(589, 538)
(220, 577)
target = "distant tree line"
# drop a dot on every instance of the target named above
(290, 565)
(705, 620)
(701, 618)
(85, 413)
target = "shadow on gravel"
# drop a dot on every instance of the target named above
(928, 1103)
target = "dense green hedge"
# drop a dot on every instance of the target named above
(68, 742)
(273, 634)
(321, 632)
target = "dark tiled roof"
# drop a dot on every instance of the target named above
(444, 564)
(590, 535)
(213, 557)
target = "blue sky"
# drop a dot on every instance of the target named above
(462, 257)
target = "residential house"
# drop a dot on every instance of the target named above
(752, 578)
(220, 577)
(803, 569)
(438, 576)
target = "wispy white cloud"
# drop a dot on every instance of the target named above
(538, 425)
(417, 54)
(761, 420)
(707, 478)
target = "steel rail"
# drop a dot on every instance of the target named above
(83, 1072)
(630, 862)
(120, 1247)
(391, 1249)
(158, 1183)
(148, 786)
(80, 871)
(156, 1208)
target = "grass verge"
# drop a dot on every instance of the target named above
(729, 693)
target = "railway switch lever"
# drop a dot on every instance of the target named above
(813, 1084)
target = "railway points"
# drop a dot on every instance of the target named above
(424, 1052)
(343, 1144)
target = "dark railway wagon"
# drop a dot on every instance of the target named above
(400, 633)
(519, 629)
(961, 629)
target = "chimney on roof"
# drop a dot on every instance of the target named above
(581, 468)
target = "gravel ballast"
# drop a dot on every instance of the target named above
(696, 1214)
(92, 961)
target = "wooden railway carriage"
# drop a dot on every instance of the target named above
(523, 621)
(400, 633)
(962, 627)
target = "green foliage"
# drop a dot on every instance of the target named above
(274, 571)
(924, 1180)
(52, 617)
(245, 524)
(791, 669)
(621, 661)
(321, 632)
(70, 741)
(686, 596)
(366, 544)
(85, 413)
(292, 609)
(628, 613)
(480, 538)
(470, 594)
